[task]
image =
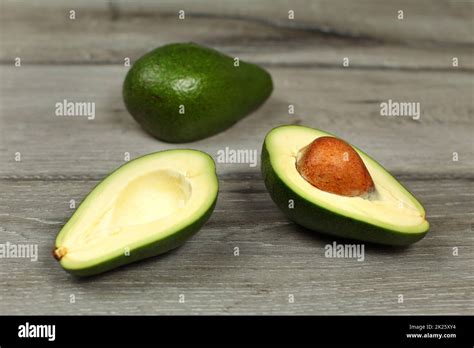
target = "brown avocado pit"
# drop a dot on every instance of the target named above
(332, 165)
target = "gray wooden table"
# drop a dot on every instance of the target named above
(62, 158)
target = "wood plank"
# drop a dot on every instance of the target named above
(322, 33)
(277, 258)
(345, 102)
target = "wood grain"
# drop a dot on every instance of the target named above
(322, 33)
(62, 158)
(345, 102)
(277, 258)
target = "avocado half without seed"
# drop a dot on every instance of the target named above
(326, 185)
(146, 207)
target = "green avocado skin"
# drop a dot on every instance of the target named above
(215, 94)
(153, 249)
(319, 219)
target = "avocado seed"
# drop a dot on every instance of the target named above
(332, 165)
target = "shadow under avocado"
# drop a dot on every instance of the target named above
(329, 239)
(131, 268)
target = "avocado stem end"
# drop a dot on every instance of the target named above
(59, 253)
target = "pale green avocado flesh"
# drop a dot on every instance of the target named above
(146, 207)
(390, 215)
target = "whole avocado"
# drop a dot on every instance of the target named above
(184, 92)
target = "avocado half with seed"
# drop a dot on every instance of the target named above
(146, 207)
(387, 213)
